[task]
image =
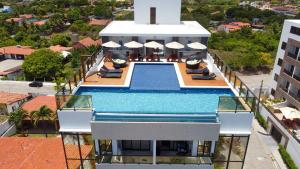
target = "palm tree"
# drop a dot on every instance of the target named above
(17, 118)
(44, 113)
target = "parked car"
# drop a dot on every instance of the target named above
(36, 84)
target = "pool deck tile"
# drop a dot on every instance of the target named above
(187, 79)
(96, 80)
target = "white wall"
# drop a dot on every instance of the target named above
(167, 11)
(149, 166)
(235, 123)
(155, 130)
(75, 121)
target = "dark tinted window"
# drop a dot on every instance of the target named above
(295, 30)
(279, 62)
(283, 45)
(272, 92)
(276, 77)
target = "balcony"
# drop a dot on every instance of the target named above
(296, 77)
(292, 55)
(161, 162)
(288, 72)
(295, 96)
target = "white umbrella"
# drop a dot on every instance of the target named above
(111, 44)
(174, 45)
(197, 45)
(133, 44)
(153, 45)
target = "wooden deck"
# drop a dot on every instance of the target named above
(96, 80)
(188, 81)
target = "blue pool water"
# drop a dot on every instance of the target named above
(182, 105)
(154, 77)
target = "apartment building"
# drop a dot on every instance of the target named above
(286, 73)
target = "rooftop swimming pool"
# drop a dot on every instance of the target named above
(185, 104)
(154, 95)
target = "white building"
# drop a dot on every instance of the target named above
(155, 140)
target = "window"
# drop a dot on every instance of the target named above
(276, 77)
(295, 30)
(283, 45)
(279, 62)
(152, 15)
(272, 92)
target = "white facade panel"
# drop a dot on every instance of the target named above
(167, 11)
(235, 123)
(155, 130)
(75, 121)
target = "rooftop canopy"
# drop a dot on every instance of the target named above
(130, 28)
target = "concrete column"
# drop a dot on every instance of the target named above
(115, 147)
(213, 145)
(195, 147)
(154, 151)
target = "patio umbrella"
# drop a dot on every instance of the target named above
(174, 45)
(290, 113)
(153, 45)
(197, 45)
(133, 44)
(111, 44)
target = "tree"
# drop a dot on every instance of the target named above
(73, 15)
(60, 39)
(44, 113)
(43, 64)
(103, 10)
(17, 118)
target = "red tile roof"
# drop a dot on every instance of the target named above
(14, 20)
(87, 42)
(26, 16)
(39, 23)
(99, 22)
(59, 48)
(241, 24)
(39, 101)
(18, 50)
(29, 153)
(9, 98)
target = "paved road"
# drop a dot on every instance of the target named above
(22, 87)
(262, 151)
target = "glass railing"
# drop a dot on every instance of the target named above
(235, 104)
(120, 159)
(182, 160)
(296, 77)
(74, 102)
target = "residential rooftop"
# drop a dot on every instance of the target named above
(10, 65)
(39, 101)
(17, 50)
(130, 28)
(9, 98)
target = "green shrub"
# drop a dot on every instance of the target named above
(262, 122)
(287, 158)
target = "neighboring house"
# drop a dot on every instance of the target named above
(86, 42)
(26, 16)
(18, 21)
(233, 26)
(9, 102)
(10, 69)
(39, 101)
(15, 52)
(26, 152)
(65, 51)
(286, 10)
(99, 22)
(40, 22)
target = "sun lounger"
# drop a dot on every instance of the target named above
(111, 70)
(209, 77)
(104, 74)
(198, 71)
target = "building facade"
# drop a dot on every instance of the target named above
(286, 73)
